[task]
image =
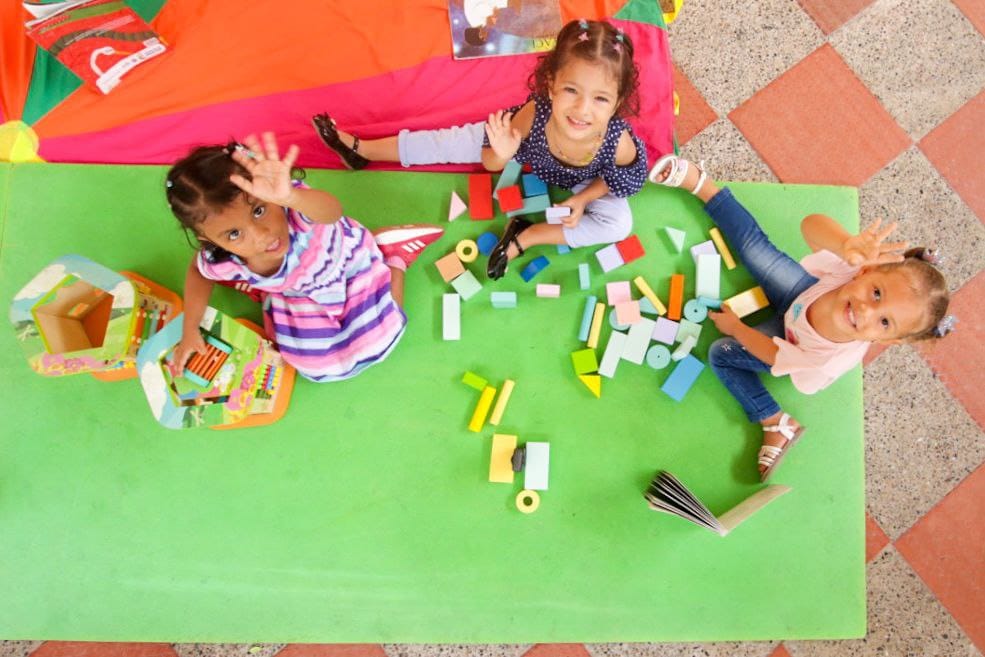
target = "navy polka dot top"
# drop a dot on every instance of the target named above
(622, 180)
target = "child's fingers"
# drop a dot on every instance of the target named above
(894, 246)
(270, 146)
(885, 232)
(291, 156)
(252, 143)
(242, 183)
(885, 258)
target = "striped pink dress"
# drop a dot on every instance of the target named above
(329, 307)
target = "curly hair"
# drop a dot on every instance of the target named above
(604, 44)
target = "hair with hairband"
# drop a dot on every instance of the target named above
(921, 265)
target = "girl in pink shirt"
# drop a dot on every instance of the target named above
(852, 291)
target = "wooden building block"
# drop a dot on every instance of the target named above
(695, 312)
(482, 409)
(451, 317)
(480, 196)
(533, 268)
(613, 354)
(593, 333)
(456, 207)
(748, 302)
(609, 258)
(501, 402)
(630, 249)
(650, 295)
(532, 204)
(466, 285)
(665, 330)
(709, 303)
(686, 328)
(510, 176)
(637, 341)
(593, 382)
(584, 361)
(584, 278)
(510, 198)
(555, 213)
(548, 291)
(684, 348)
(682, 377)
(537, 468)
(533, 186)
(586, 318)
(450, 267)
(473, 380)
(723, 250)
(628, 313)
(658, 356)
(618, 292)
(676, 238)
(487, 242)
(709, 276)
(707, 247)
(503, 299)
(676, 302)
(500, 459)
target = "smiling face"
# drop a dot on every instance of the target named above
(584, 96)
(253, 230)
(876, 306)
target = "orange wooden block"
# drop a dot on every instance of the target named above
(676, 297)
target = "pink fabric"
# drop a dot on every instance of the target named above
(813, 362)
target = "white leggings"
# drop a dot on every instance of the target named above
(607, 219)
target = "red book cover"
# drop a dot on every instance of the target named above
(98, 40)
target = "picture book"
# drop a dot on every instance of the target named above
(667, 494)
(98, 40)
(490, 28)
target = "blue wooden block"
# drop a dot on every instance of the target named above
(563, 248)
(682, 378)
(503, 299)
(533, 268)
(708, 302)
(533, 186)
(486, 242)
(584, 279)
(586, 318)
(695, 311)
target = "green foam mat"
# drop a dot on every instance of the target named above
(365, 514)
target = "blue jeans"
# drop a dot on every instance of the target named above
(782, 279)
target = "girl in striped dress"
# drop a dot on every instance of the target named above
(332, 291)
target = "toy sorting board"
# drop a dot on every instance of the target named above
(365, 514)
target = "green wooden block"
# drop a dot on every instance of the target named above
(585, 361)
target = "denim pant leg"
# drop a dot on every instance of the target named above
(781, 277)
(739, 370)
(458, 145)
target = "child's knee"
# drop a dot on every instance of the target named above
(720, 350)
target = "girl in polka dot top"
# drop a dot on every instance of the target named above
(570, 131)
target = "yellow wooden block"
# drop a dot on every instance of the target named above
(748, 302)
(482, 409)
(648, 292)
(716, 237)
(593, 334)
(501, 459)
(593, 382)
(504, 399)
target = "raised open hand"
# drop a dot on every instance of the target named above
(271, 174)
(870, 247)
(503, 137)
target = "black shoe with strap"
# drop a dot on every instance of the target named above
(325, 127)
(498, 259)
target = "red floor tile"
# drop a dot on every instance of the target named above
(98, 649)
(959, 359)
(832, 14)
(780, 651)
(947, 549)
(557, 650)
(875, 538)
(975, 11)
(955, 147)
(817, 123)
(696, 114)
(332, 650)
(873, 353)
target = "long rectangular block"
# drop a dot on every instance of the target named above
(501, 402)
(723, 250)
(500, 458)
(586, 318)
(676, 302)
(709, 276)
(451, 317)
(748, 302)
(482, 409)
(480, 196)
(650, 295)
(593, 333)
(584, 278)
(609, 258)
(613, 354)
(682, 377)
(532, 204)
(637, 341)
(548, 291)
(509, 177)
(536, 470)
(503, 299)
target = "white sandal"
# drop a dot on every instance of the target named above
(678, 172)
(771, 455)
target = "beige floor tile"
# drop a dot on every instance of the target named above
(729, 50)
(911, 191)
(919, 442)
(227, 649)
(18, 648)
(922, 64)
(745, 649)
(904, 617)
(727, 153)
(456, 650)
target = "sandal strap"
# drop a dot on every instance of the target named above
(784, 428)
(355, 144)
(701, 178)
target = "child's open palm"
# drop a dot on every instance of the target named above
(870, 247)
(504, 139)
(271, 174)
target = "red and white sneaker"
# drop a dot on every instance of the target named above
(406, 242)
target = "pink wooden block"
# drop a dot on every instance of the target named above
(618, 292)
(628, 312)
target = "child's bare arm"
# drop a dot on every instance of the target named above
(821, 232)
(317, 205)
(759, 345)
(198, 289)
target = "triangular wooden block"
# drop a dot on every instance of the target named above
(593, 382)
(676, 238)
(456, 208)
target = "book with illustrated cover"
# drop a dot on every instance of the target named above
(490, 28)
(98, 40)
(668, 495)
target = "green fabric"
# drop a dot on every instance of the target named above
(52, 82)
(365, 514)
(643, 11)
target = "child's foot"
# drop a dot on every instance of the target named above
(405, 243)
(777, 440)
(507, 248)
(342, 143)
(674, 171)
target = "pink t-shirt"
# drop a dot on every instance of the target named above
(813, 362)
